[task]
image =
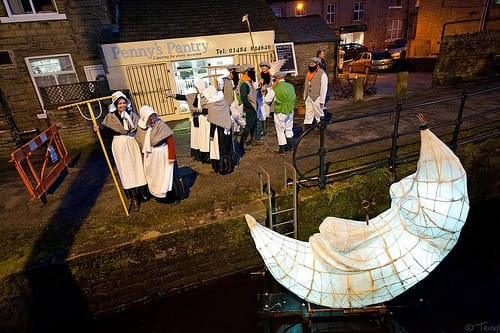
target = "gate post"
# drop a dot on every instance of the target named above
(322, 173)
(395, 135)
(458, 122)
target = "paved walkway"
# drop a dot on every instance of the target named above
(87, 201)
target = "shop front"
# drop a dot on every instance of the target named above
(353, 33)
(147, 69)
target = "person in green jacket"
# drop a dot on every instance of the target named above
(282, 97)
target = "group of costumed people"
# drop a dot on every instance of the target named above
(143, 145)
(211, 127)
(143, 149)
(252, 103)
(225, 121)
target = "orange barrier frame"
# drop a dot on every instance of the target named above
(36, 183)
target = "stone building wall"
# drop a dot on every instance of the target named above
(437, 19)
(467, 57)
(375, 17)
(77, 35)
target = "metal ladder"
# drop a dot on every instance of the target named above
(272, 213)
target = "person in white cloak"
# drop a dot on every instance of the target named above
(121, 124)
(156, 141)
(200, 143)
(222, 154)
(228, 85)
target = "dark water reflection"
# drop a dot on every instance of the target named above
(461, 295)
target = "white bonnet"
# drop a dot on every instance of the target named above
(212, 95)
(144, 113)
(115, 97)
(200, 85)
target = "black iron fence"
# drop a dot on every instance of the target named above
(339, 148)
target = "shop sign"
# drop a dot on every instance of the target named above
(121, 54)
(344, 29)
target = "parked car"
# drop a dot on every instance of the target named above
(352, 50)
(397, 47)
(381, 60)
(361, 64)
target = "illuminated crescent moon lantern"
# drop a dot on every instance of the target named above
(352, 264)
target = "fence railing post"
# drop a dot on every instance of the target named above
(322, 172)
(458, 122)
(395, 135)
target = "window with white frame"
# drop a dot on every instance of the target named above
(300, 10)
(359, 11)
(277, 12)
(330, 12)
(31, 10)
(395, 29)
(51, 70)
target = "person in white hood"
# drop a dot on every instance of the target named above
(222, 154)
(156, 141)
(121, 124)
(200, 145)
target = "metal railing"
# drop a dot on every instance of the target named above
(288, 223)
(382, 148)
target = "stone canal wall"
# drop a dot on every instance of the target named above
(139, 271)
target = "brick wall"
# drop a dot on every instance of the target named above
(78, 36)
(377, 16)
(436, 19)
(466, 57)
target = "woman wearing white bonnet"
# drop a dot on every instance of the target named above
(222, 155)
(156, 141)
(121, 124)
(200, 144)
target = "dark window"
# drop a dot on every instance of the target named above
(31, 6)
(6, 58)
(359, 11)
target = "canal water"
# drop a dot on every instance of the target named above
(461, 295)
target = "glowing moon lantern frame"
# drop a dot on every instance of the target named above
(352, 264)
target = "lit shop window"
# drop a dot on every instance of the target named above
(31, 10)
(187, 72)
